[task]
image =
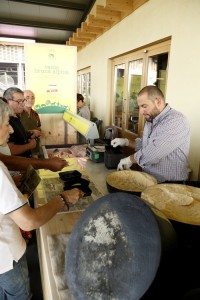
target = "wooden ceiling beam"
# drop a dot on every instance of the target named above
(85, 35)
(76, 43)
(107, 14)
(93, 21)
(88, 35)
(121, 6)
(93, 29)
(103, 19)
(77, 38)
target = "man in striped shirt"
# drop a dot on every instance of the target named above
(164, 147)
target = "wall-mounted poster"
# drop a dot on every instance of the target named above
(50, 72)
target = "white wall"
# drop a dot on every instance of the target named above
(155, 20)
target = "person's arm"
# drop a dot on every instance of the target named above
(35, 133)
(28, 218)
(172, 134)
(123, 142)
(54, 164)
(19, 149)
(132, 144)
(132, 159)
(19, 163)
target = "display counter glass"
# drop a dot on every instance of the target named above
(62, 223)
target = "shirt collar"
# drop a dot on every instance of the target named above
(161, 115)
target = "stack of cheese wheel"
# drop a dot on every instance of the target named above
(178, 202)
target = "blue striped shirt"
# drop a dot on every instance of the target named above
(164, 147)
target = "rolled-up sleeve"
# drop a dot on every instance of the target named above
(138, 144)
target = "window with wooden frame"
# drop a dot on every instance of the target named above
(12, 66)
(84, 84)
(131, 72)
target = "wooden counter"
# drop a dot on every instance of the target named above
(62, 222)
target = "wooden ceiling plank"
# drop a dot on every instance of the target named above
(76, 43)
(123, 6)
(93, 21)
(107, 14)
(76, 38)
(93, 29)
(89, 35)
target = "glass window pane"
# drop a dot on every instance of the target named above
(79, 84)
(134, 86)
(157, 71)
(83, 84)
(8, 75)
(88, 88)
(118, 94)
(21, 70)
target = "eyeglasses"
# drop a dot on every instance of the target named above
(3, 99)
(19, 101)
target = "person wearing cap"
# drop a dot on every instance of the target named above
(164, 147)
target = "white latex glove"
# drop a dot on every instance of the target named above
(119, 142)
(124, 164)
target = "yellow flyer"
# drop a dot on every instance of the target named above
(51, 72)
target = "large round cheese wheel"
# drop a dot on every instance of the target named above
(178, 202)
(115, 248)
(129, 181)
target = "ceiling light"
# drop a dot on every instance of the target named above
(4, 39)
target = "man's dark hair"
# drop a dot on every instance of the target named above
(8, 94)
(152, 92)
(80, 97)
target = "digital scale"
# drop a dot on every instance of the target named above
(96, 153)
(95, 148)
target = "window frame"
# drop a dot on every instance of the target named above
(86, 92)
(144, 53)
